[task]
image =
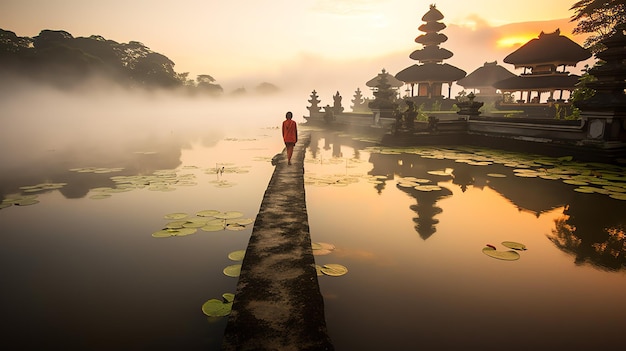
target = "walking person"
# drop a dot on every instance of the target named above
(290, 135)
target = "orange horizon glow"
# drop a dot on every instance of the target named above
(513, 40)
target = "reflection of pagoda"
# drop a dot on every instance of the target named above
(431, 73)
(544, 60)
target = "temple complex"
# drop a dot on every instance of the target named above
(544, 60)
(431, 73)
(483, 79)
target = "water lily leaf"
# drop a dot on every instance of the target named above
(100, 196)
(194, 224)
(618, 196)
(164, 233)
(184, 231)
(334, 269)
(237, 255)
(213, 227)
(427, 187)
(207, 213)
(175, 225)
(514, 245)
(501, 255)
(217, 308)
(235, 227)
(232, 270)
(318, 269)
(496, 175)
(244, 221)
(177, 215)
(228, 214)
(26, 202)
(228, 297)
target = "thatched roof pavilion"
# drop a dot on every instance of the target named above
(541, 58)
(549, 50)
(483, 78)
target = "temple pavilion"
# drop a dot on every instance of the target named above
(431, 73)
(545, 60)
(481, 81)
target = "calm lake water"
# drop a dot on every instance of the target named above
(80, 269)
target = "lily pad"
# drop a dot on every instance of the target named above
(217, 308)
(334, 269)
(177, 215)
(207, 213)
(244, 221)
(213, 227)
(228, 214)
(26, 202)
(237, 255)
(514, 245)
(501, 255)
(232, 270)
(235, 227)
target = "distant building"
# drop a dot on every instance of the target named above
(431, 73)
(481, 81)
(545, 60)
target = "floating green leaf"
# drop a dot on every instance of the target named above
(207, 213)
(237, 255)
(232, 270)
(514, 245)
(176, 215)
(217, 308)
(100, 196)
(228, 214)
(501, 255)
(334, 269)
(26, 202)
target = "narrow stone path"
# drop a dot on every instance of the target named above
(278, 304)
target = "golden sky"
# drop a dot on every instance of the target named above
(317, 41)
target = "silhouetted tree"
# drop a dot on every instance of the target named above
(205, 83)
(267, 88)
(598, 17)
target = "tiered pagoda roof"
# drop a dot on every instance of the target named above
(431, 72)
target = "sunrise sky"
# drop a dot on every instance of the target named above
(306, 43)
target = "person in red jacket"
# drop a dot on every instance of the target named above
(290, 135)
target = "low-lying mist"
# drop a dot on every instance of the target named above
(45, 132)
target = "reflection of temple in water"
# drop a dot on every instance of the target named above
(594, 232)
(426, 207)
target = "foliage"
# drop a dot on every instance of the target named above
(599, 18)
(421, 115)
(56, 57)
(582, 92)
(436, 105)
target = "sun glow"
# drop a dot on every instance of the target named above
(515, 40)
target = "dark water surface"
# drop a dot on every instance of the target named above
(82, 273)
(417, 278)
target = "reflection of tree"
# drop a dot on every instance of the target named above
(593, 232)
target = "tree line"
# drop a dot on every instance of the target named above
(58, 58)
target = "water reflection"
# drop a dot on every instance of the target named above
(591, 227)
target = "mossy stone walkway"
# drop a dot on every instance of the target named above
(278, 304)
